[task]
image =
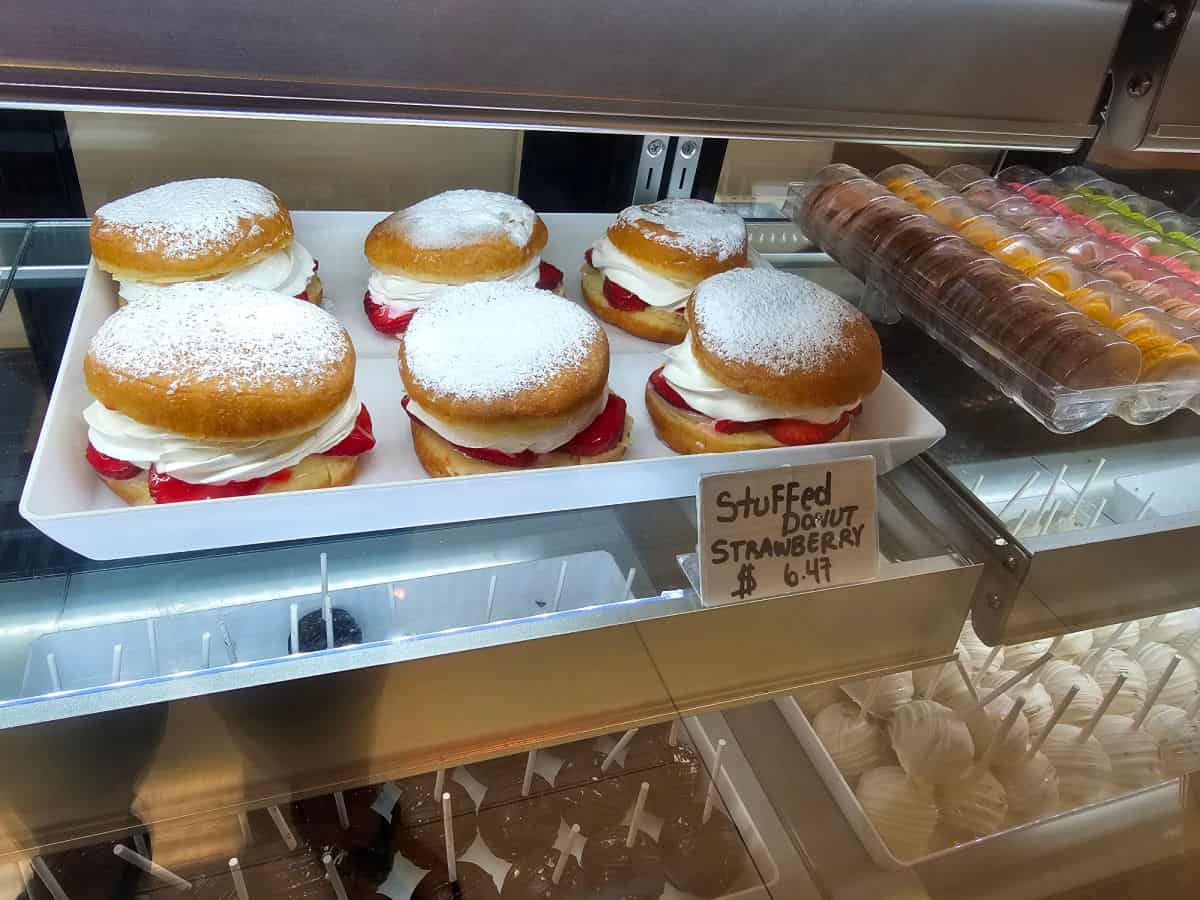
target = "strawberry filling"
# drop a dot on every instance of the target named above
(619, 298)
(360, 439)
(587, 255)
(383, 319)
(549, 277)
(167, 489)
(601, 435)
(110, 466)
(794, 432)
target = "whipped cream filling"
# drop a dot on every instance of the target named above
(652, 289)
(540, 437)
(285, 271)
(705, 394)
(212, 462)
(399, 293)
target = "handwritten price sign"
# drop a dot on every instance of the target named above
(786, 530)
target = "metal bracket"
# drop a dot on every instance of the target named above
(1139, 68)
(684, 163)
(652, 163)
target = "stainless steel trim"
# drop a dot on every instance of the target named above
(652, 163)
(683, 166)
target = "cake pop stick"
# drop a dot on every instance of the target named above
(1145, 507)
(339, 801)
(711, 796)
(1086, 731)
(239, 880)
(628, 595)
(294, 616)
(618, 749)
(439, 783)
(1099, 512)
(636, 820)
(962, 673)
(561, 865)
(47, 878)
(1087, 486)
(1016, 678)
(205, 650)
(1050, 518)
(152, 636)
(324, 574)
(527, 781)
(52, 667)
(448, 828)
(1000, 734)
(1021, 522)
(335, 879)
(1029, 482)
(562, 579)
(977, 485)
(244, 825)
(328, 615)
(987, 662)
(118, 651)
(1050, 493)
(1148, 634)
(289, 839)
(1097, 655)
(673, 734)
(151, 868)
(491, 598)
(1152, 697)
(1058, 713)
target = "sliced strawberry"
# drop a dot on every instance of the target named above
(383, 319)
(522, 460)
(587, 254)
(549, 277)
(168, 489)
(603, 433)
(797, 432)
(303, 295)
(109, 466)
(619, 298)
(730, 426)
(668, 393)
(360, 439)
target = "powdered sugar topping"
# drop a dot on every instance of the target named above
(490, 340)
(771, 318)
(230, 337)
(458, 218)
(692, 225)
(187, 219)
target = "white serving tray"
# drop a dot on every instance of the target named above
(872, 841)
(64, 499)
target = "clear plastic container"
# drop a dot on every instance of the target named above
(962, 176)
(952, 212)
(988, 192)
(1026, 177)
(1055, 231)
(1055, 358)
(1071, 177)
(923, 194)
(896, 177)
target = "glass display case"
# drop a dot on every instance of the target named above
(515, 682)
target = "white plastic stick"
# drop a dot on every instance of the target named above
(977, 485)
(962, 673)
(439, 783)
(324, 574)
(294, 625)
(636, 820)
(561, 865)
(118, 650)
(1099, 512)
(987, 663)
(1015, 679)
(617, 749)
(1021, 521)
(239, 880)
(328, 613)
(491, 598)
(151, 868)
(1118, 683)
(47, 878)
(289, 839)
(1098, 655)
(1087, 486)
(448, 828)
(205, 650)
(1050, 493)
(152, 637)
(247, 831)
(1000, 734)
(628, 595)
(932, 687)
(52, 666)
(1147, 633)
(673, 734)
(527, 781)
(711, 797)
(1145, 507)
(1059, 711)
(1029, 482)
(562, 579)
(1050, 518)
(1152, 697)
(335, 879)
(339, 801)
(869, 700)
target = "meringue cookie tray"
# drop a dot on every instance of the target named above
(64, 499)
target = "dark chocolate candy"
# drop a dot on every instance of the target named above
(417, 830)
(589, 797)
(513, 826)
(532, 878)
(611, 869)
(317, 820)
(473, 883)
(346, 630)
(701, 858)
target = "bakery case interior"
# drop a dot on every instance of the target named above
(358, 417)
